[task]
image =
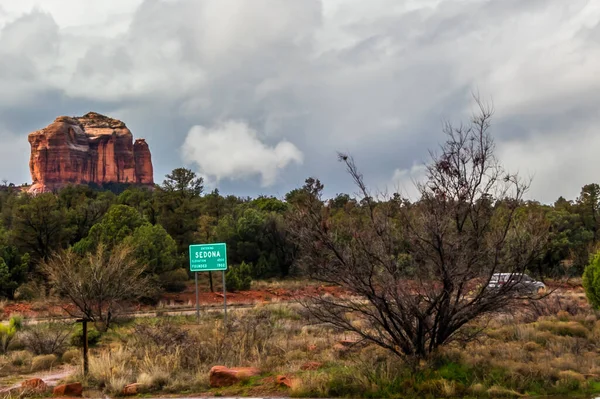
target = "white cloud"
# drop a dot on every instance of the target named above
(559, 165)
(404, 181)
(233, 150)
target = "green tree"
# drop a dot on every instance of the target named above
(82, 215)
(157, 251)
(141, 199)
(591, 281)
(119, 222)
(589, 208)
(39, 226)
(13, 267)
(153, 247)
(183, 181)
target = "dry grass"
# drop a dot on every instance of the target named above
(551, 354)
(43, 362)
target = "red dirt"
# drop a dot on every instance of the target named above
(32, 309)
(249, 297)
(187, 297)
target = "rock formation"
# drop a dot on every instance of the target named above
(89, 149)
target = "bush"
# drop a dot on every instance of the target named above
(45, 339)
(239, 278)
(174, 280)
(77, 336)
(43, 362)
(591, 281)
(29, 291)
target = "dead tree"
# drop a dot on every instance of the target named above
(419, 272)
(98, 284)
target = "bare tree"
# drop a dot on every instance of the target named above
(420, 272)
(98, 284)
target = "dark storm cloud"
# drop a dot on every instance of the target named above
(298, 81)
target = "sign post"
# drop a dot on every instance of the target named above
(84, 322)
(207, 258)
(197, 301)
(224, 301)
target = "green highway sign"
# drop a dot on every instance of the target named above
(208, 257)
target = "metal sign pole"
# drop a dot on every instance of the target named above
(85, 348)
(197, 301)
(84, 328)
(224, 300)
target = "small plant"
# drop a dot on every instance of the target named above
(7, 333)
(77, 336)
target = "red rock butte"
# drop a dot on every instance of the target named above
(92, 149)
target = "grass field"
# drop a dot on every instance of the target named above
(549, 348)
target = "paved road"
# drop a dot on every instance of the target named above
(150, 313)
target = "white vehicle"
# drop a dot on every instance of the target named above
(521, 282)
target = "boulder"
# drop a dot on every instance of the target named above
(74, 389)
(283, 380)
(221, 376)
(89, 149)
(311, 366)
(34, 385)
(132, 389)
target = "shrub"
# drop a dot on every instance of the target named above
(43, 362)
(570, 380)
(20, 358)
(532, 346)
(239, 278)
(77, 336)
(45, 339)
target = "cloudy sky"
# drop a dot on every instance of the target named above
(257, 95)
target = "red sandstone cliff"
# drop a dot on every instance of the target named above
(88, 149)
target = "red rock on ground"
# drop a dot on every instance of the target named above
(221, 376)
(283, 380)
(132, 389)
(74, 389)
(340, 347)
(311, 366)
(34, 384)
(89, 149)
